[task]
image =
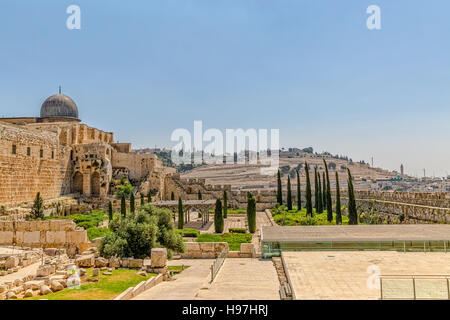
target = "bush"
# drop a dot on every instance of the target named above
(135, 235)
(188, 232)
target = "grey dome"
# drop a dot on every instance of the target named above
(59, 106)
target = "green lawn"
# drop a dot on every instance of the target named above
(234, 240)
(89, 221)
(284, 217)
(107, 288)
(236, 211)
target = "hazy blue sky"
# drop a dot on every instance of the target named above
(310, 68)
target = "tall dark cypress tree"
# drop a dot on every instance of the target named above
(218, 217)
(320, 194)
(225, 204)
(279, 189)
(324, 191)
(251, 214)
(338, 201)
(149, 197)
(180, 214)
(172, 196)
(199, 195)
(110, 211)
(123, 206)
(289, 194)
(329, 201)
(142, 199)
(309, 210)
(352, 212)
(132, 204)
(299, 194)
(316, 190)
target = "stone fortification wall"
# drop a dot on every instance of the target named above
(31, 161)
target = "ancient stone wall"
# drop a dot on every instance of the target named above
(138, 165)
(50, 233)
(31, 161)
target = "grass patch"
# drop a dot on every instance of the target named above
(284, 217)
(107, 288)
(88, 221)
(234, 240)
(236, 211)
(188, 232)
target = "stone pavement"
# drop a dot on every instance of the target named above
(237, 279)
(244, 279)
(186, 284)
(345, 275)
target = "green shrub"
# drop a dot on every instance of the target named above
(135, 235)
(237, 230)
(188, 232)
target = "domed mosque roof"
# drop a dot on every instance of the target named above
(59, 106)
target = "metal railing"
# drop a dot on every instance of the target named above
(218, 263)
(415, 287)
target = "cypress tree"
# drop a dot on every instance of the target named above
(218, 217)
(279, 189)
(316, 191)
(132, 204)
(149, 197)
(320, 194)
(110, 211)
(180, 214)
(329, 201)
(123, 206)
(352, 212)
(299, 195)
(225, 204)
(251, 214)
(172, 196)
(289, 194)
(142, 199)
(309, 210)
(37, 211)
(199, 195)
(324, 191)
(338, 201)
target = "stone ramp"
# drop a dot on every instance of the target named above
(183, 286)
(244, 279)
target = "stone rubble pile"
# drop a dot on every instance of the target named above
(57, 270)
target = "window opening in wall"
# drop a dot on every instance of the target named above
(41, 153)
(14, 149)
(28, 151)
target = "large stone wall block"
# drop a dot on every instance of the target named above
(55, 237)
(158, 257)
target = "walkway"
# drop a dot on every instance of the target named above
(244, 279)
(185, 285)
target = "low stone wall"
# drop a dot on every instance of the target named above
(247, 251)
(47, 233)
(203, 250)
(141, 287)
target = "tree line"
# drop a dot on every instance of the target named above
(322, 194)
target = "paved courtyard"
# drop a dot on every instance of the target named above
(345, 275)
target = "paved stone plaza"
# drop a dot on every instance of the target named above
(344, 275)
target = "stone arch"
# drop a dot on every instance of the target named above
(77, 182)
(95, 184)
